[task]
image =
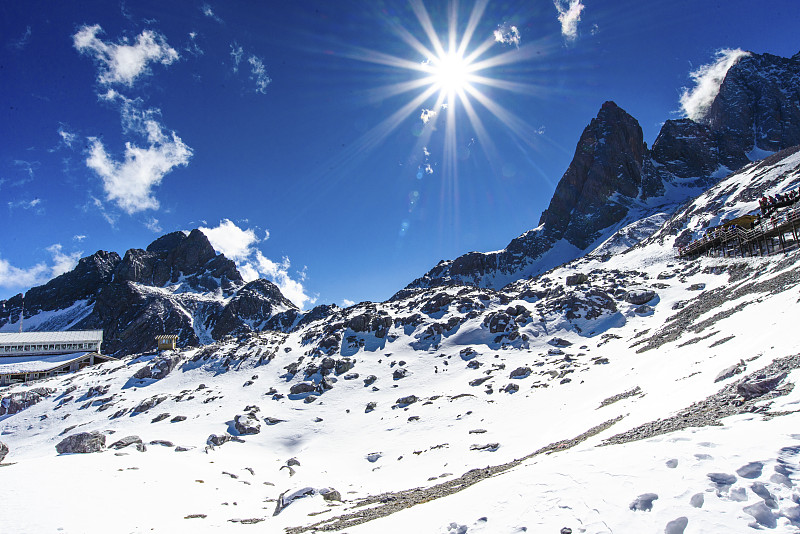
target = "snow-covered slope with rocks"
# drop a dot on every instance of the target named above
(623, 392)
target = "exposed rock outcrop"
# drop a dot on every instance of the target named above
(82, 443)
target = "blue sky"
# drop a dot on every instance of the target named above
(300, 134)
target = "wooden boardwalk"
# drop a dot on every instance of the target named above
(766, 238)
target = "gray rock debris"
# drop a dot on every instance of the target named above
(81, 443)
(127, 441)
(247, 424)
(676, 526)
(644, 502)
(3, 450)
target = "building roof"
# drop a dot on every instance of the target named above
(68, 336)
(37, 364)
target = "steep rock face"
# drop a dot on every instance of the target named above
(253, 304)
(177, 285)
(758, 106)
(610, 171)
(686, 149)
(82, 283)
(608, 160)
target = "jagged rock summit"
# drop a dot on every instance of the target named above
(177, 285)
(614, 179)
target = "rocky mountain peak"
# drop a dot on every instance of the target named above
(608, 161)
(756, 108)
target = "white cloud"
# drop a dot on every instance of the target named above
(22, 41)
(569, 15)
(129, 183)
(239, 245)
(62, 263)
(236, 53)
(15, 277)
(124, 62)
(427, 115)
(67, 138)
(153, 225)
(27, 205)
(192, 47)
(507, 34)
(259, 74)
(347, 303)
(208, 12)
(229, 239)
(707, 79)
(79, 237)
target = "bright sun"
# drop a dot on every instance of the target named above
(450, 73)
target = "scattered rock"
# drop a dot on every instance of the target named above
(159, 367)
(81, 443)
(370, 380)
(302, 387)
(639, 296)
(644, 502)
(126, 441)
(491, 447)
(722, 479)
(405, 401)
(697, 287)
(577, 279)
(3, 451)
(273, 420)
(399, 373)
(762, 514)
(751, 470)
(676, 526)
(510, 388)
(370, 406)
(159, 417)
(16, 402)
(697, 500)
(520, 372)
(673, 463)
(247, 424)
(178, 419)
(373, 457)
(750, 389)
(731, 371)
(330, 494)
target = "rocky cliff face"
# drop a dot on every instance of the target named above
(177, 285)
(757, 109)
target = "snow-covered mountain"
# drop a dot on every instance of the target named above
(614, 180)
(178, 285)
(624, 391)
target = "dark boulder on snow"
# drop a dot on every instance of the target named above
(302, 387)
(159, 367)
(644, 502)
(82, 443)
(639, 296)
(247, 424)
(3, 451)
(16, 402)
(127, 441)
(756, 387)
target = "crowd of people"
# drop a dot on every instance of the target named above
(770, 203)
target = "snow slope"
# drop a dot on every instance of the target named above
(585, 402)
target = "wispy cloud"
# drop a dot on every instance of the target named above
(123, 62)
(569, 15)
(240, 245)
(60, 263)
(347, 303)
(27, 168)
(507, 34)
(78, 237)
(236, 53)
(258, 73)
(153, 225)
(21, 42)
(696, 101)
(209, 12)
(33, 204)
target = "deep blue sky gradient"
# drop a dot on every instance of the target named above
(301, 160)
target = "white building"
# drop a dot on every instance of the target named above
(29, 356)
